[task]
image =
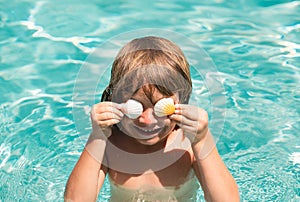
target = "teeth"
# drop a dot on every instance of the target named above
(148, 131)
(146, 134)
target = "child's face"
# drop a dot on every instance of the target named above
(148, 129)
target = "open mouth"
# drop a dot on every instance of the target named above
(148, 133)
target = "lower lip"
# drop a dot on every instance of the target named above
(148, 134)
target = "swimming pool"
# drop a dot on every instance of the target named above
(255, 46)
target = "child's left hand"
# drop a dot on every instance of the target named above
(192, 120)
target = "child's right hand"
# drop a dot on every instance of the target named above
(103, 116)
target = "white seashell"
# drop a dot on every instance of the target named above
(132, 109)
(164, 107)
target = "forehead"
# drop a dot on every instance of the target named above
(167, 81)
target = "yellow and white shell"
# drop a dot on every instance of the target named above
(132, 109)
(164, 107)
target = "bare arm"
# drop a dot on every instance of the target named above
(216, 181)
(89, 173)
(85, 180)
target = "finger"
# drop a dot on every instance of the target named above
(191, 112)
(192, 131)
(114, 105)
(106, 116)
(182, 120)
(107, 123)
(189, 131)
(109, 109)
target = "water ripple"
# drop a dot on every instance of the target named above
(254, 44)
(4, 154)
(263, 171)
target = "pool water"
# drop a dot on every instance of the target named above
(255, 46)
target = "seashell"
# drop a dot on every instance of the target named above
(132, 109)
(164, 107)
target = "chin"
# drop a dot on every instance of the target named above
(149, 142)
(152, 141)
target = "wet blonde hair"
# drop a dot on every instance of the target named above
(149, 63)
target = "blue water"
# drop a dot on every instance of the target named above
(255, 46)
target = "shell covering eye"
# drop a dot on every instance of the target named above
(132, 109)
(164, 107)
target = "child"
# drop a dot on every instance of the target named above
(149, 155)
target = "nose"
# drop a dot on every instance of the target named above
(147, 117)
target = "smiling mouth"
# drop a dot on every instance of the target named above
(148, 132)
